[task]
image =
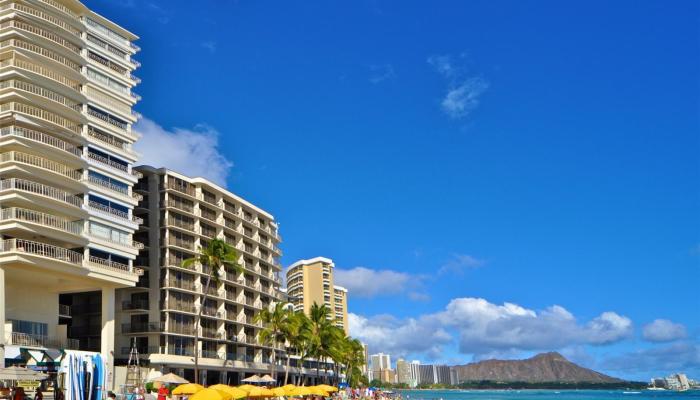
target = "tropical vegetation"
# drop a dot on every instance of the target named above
(216, 255)
(312, 337)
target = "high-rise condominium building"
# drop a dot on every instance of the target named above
(66, 176)
(181, 215)
(311, 281)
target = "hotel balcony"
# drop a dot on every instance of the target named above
(113, 212)
(43, 256)
(135, 305)
(14, 219)
(33, 165)
(111, 141)
(143, 327)
(14, 59)
(40, 341)
(25, 134)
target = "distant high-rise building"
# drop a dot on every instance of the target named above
(403, 372)
(365, 367)
(414, 367)
(311, 281)
(426, 374)
(442, 374)
(454, 376)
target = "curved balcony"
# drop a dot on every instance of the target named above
(109, 140)
(43, 219)
(43, 115)
(31, 28)
(44, 16)
(14, 61)
(41, 190)
(51, 55)
(42, 92)
(109, 102)
(40, 137)
(41, 162)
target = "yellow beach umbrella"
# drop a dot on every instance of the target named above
(327, 388)
(188, 388)
(317, 391)
(235, 393)
(288, 389)
(210, 394)
(279, 391)
(288, 386)
(300, 391)
(247, 388)
(261, 392)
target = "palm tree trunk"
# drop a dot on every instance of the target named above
(272, 362)
(196, 329)
(286, 369)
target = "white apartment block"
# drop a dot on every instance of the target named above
(66, 176)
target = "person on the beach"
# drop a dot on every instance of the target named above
(163, 392)
(38, 395)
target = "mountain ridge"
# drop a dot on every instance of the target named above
(543, 367)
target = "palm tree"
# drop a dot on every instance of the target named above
(217, 254)
(274, 320)
(320, 337)
(296, 334)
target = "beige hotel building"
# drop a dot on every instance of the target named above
(311, 281)
(181, 214)
(66, 177)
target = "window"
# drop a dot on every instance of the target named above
(109, 233)
(29, 327)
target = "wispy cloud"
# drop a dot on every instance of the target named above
(193, 152)
(458, 263)
(463, 91)
(367, 283)
(381, 73)
(209, 45)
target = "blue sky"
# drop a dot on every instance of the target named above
(492, 178)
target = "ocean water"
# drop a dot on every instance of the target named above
(547, 395)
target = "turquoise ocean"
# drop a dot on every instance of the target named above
(546, 395)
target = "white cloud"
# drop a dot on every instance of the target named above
(663, 330)
(458, 263)
(381, 73)
(483, 328)
(366, 282)
(193, 152)
(671, 358)
(210, 45)
(398, 337)
(463, 92)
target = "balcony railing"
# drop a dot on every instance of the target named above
(108, 101)
(42, 250)
(113, 265)
(25, 339)
(40, 137)
(142, 327)
(17, 62)
(182, 284)
(131, 305)
(42, 114)
(41, 92)
(64, 310)
(93, 205)
(41, 32)
(181, 329)
(108, 63)
(189, 190)
(46, 17)
(106, 161)
(181, 243)
(42, 51)
(180, 306)
(103, 116)
(177, 222)
(109, 139)
(41, 162)
(47, 220)
(180, 205)
(40, 189)
(108, 185)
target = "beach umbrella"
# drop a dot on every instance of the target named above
(317, 391)
(210, 394)
(21, 374)
(327, 388)
(288, 389)
(235, 393)
(252, 379)
(246, 388)
(279, 391)
(170, 379)
(261, 392)
(188, 388)
(299, 391)
(267, 379)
